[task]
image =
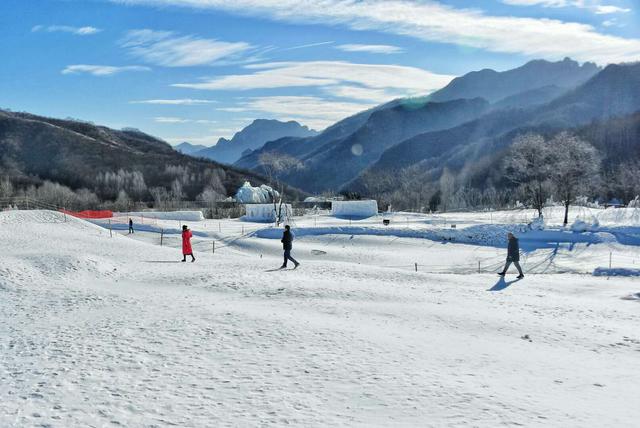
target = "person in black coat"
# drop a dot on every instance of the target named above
(130, 226)
(287, 245)
(513, 256)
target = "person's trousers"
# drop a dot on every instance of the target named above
(515, 263)
(287, 256)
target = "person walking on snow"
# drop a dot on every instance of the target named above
(186, 244)
(513, 256)
(130, 226)
(287, 245)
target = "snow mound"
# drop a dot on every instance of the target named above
(581, 226)
(537, 224)
(267, 213)
(620, 217)
(634, 296)
(247, 194)
(354, 209)
(165, 215)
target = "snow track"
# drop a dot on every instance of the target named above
(100, 331)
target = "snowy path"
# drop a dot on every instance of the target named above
(101, 332)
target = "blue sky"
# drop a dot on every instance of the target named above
(197, 70)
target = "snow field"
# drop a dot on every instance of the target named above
(113, 331)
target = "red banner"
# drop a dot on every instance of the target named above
(89, 213)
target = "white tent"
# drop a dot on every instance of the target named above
(354, 209)
(267, 213)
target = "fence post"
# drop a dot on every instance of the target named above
(64, 213)
(110, 232)
(219, 228)
(610, 253)
(478, 266)
(213, 246)
(416, 267)
(161, 236)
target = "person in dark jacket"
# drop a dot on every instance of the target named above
(130, 226)
(287, 245)
(513, 256)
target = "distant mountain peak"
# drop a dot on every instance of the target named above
(252, 137)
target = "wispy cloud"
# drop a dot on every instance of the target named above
(168, 49)
(308, 45)
(378, 49)
(593, 5)
(78, 31)
(183, 101)
(315, 112)
(101, 70)
(166, 119)
(436, 22)
(326, 73)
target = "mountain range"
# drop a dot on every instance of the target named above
(83, 155)
(250, 138)
(471, 107)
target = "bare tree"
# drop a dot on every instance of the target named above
(530, 163)
(274, 165)
(577, 168)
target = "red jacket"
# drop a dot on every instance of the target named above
(186, 242)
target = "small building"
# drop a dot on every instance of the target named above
(354, 209)
(267, 213)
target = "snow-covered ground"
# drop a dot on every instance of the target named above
(101, 331)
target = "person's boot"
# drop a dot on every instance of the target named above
(296, 266)
(520, 276)
(193, 259)
(501, 273)
(184, 259)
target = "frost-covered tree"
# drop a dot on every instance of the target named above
(6, 188)
(576, 169)
(530, 164)
(447, 188)
(123, 202)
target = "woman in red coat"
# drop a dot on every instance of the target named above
(186, 244)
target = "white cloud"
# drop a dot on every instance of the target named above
(315, 112)
(593, 5)
(435, 22)
(170, 119)
(360, 93)
(410, 80)
(608, 9)
(101, 70)
(543, 3)
(78, 31)
(379, 49)
(183, 101)
(168, 49)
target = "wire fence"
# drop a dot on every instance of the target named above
(209, 238)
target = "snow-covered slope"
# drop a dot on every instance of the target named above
(100, 331)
